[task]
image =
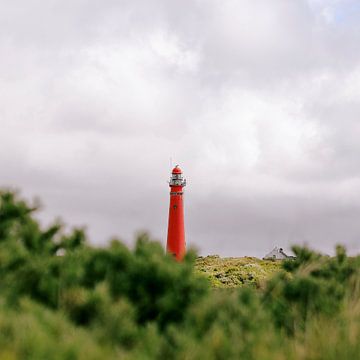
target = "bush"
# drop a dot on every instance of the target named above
(316, 285)
(61, 298)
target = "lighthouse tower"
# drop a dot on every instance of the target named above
(176, 231)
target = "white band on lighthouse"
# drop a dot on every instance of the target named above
(177, 180)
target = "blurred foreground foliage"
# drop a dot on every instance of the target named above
(61, 298)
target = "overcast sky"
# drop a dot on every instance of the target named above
(257, 100)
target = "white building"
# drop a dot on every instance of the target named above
(276, 254)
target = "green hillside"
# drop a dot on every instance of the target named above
(236, 272)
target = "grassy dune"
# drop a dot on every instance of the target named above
(236, 272)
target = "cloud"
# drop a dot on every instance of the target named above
(257, 100)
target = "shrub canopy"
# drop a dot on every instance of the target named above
(61, 298)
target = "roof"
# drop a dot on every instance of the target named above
(276, 254)
(176, 170)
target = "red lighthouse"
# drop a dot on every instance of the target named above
(176, 231)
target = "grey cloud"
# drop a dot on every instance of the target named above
(249, 225)
(257, 100)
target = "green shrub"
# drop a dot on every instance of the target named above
(61, 298)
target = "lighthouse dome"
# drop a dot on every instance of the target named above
(176, 170)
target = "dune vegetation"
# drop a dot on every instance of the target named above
(61, 298)
(235, 272)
